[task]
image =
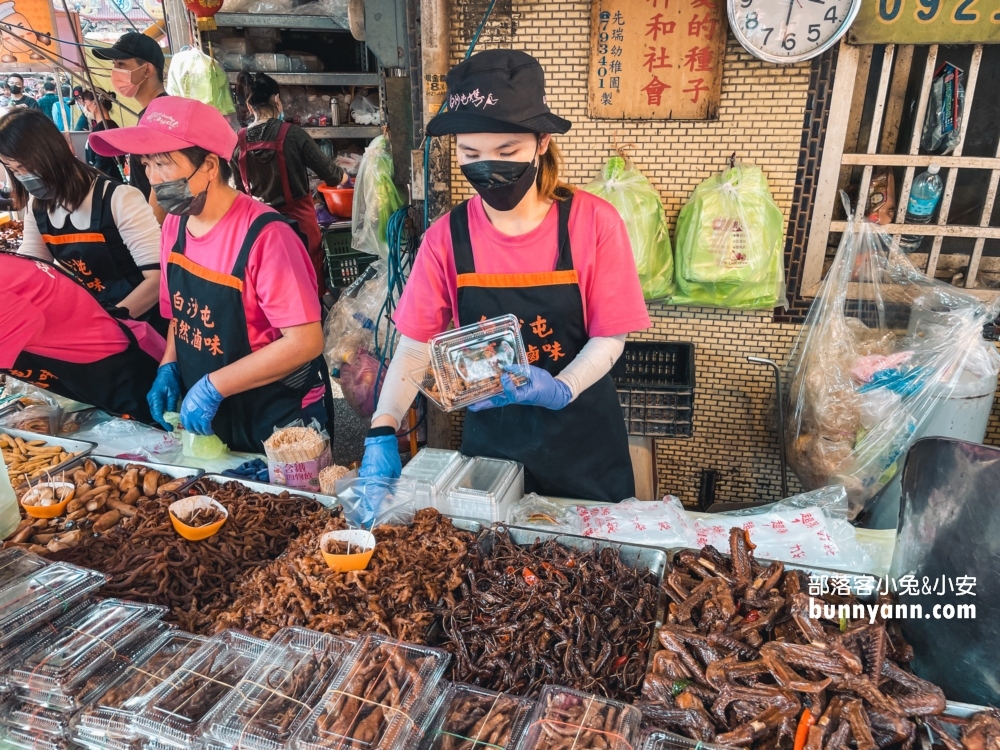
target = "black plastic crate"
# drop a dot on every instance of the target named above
(343, 264)
(655, 383)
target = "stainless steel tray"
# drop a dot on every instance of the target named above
(79, 447)
(174, 471)
(327, 501)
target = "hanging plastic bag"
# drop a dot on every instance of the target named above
(359, 381)
(943, 121)
(626, 188)
(861, 385)
(729, 250)
(350, 327)
(376, 198)
(195, 75)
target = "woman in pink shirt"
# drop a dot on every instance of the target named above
(529, 245)
(245, 343)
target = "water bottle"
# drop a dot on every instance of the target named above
(924, 197)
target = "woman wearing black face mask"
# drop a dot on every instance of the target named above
(245, 342)
(101, 231)
(531, 246)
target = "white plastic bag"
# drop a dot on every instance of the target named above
(664, 523)
(376, 198)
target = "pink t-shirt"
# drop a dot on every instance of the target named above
(44, 312)
(279, 288)
(602, 256)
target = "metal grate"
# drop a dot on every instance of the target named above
(880, 81)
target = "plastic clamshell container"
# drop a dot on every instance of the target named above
(84, 693)
(434, 470)
(45, 634)
(657, 740)
(466, 363)
(46, 592)
(16, 564)
(585, 714)
(266, 709)
(110, 717)
(173, 713)
(27, 716)
(484, 489)
(83, 648)
(32, 739)
(465, 710)
(374, 663)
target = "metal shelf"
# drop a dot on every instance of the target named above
(319, 79)
(281, 21)
(346, 131)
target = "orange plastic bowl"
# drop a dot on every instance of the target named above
(185, 506)
(339, 201)
(48, 511)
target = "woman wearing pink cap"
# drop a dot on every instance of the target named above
(245, 343)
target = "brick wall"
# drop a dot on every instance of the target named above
(768, 116)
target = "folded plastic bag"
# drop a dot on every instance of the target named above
(626, 188)
(371, 501)
(535, 511)
(729, 250)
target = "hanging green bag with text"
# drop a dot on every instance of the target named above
(626, 188)
(730, 244)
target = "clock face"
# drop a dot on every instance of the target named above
(786, 31)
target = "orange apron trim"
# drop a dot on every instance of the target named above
(215, 277)
(66, 239)
(517, 280)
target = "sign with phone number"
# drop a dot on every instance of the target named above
(927, 22)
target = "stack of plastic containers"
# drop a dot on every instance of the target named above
(434, 470)
(16, 564)
(174, 713)
(481, 718)
(467, 362)
(379, 698)
(276, 696)
(484, 489)
(106, 724)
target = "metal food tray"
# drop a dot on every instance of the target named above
(170, 470)
(80, 447)
(327, 501)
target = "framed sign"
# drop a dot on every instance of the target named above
(926, 22)
(656, 59)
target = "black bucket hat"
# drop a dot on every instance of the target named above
(497, 91)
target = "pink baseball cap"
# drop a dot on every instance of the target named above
(170, 123)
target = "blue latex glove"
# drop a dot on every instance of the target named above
(381, 458)
(165, 393)
(199, 407)
(541, 390)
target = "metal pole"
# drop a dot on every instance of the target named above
(179, 34)
(435, 59)
(781, 417)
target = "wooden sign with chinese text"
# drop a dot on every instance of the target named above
(657, 59)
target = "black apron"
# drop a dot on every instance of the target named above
(98, 257)
(211, 332)
(577, 452)
(117, 384)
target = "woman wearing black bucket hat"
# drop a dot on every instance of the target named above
(528, 245)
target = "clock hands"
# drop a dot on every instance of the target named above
(788, 20)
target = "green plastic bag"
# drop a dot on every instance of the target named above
(376, 198)
(195, 75)
(730, 239)
(626, 188)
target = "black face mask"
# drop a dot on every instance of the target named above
(36, 187)
(175, 197)
(15, 90)
(501, 183)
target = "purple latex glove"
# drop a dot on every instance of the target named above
(541, 389)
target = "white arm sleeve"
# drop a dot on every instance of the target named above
(31, 242)
(397, 390)
(138, 226)
(593, 362)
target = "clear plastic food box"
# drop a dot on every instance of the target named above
(379, 699)
(26, 716)
(173, 713)
(434, 470)
(279, 692)
(83, 648)
(615, 725)
(483, 718)
(16, 564)
(45, 633)
(109, 719)
(484, 489)
(467, 362)
(32, 739)
(48, 591)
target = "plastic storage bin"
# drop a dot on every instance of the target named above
(434, 470)
(108, 721)
(276, 696)
(378, 700)
(48, 591)
(480, 717)
(466, 363)
(484, 489)
(655, 383)
(173, 713)
(590, 717)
